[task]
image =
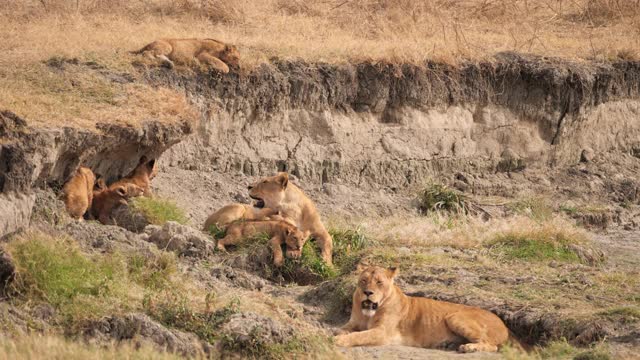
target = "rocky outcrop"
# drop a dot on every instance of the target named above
(35, 157)
(181, 239)
(141, 329)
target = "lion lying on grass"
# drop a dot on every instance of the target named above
(280, 232)
(382, 314)
(277, 193)
(212, 53)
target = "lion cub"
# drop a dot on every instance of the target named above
(141, 176)
(234, 212)
(78, 192)
(105, 200)
(382, 314)
(280, 232)
(212, 53)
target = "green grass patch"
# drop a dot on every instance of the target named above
(437, 197)
(348, 245)
(158, 211)
(627, 314)
(53, 270)
(83, 287)
(537, 245)
(216, 232)
(175, 311)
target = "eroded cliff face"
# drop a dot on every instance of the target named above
(391, 125)
(366, 125)
(46, 157)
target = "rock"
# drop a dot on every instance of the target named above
(15, 211)
(125, 216)
(92, 235)
(587, 155)
(180, 239)
(7, 270)
(249, 329)
(143, 330)
(238, 278)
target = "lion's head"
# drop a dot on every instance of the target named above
(133, 190)
(231, 56)
(269, 191)
(375, 285)
(146, 168)
(295, 240)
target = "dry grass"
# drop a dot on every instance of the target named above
(102, 31)
(35, 347)
(332, 30)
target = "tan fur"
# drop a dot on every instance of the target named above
(140, 176)
(105, 200)
(209, 52)
(416, 321)
(78, 192)
(291, 203)
(280, 232)
(234, 212)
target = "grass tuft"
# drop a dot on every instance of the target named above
(436, 197)
(537, 245)
(158, 211)
(627, 314)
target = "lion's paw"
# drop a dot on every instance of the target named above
(341, 340)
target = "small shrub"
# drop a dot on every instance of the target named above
(437, 197)
(158, 211)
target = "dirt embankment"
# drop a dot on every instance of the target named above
(364, 125)
(393, 125)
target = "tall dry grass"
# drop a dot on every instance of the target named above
(103, 31)
(329, 30)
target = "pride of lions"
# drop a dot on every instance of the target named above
(381, 313)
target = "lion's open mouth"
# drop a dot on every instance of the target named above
(369, 305)
(259, 203)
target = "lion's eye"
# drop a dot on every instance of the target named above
(379, 282)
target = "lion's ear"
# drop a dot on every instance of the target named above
(283, 179)
(362, 266)
(392, 272)
(120, 190)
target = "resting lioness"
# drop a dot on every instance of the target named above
(140, 176)
(280, 232)
(234, 212)
(78, 192)
(210, 52)
(277, 193)
(382, 314)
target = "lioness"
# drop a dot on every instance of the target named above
(233, 212)
(105, 200)
(210, 52)
(78, 192)
(382, 314)
(140, 176)
(280, 232)
(277, 193)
